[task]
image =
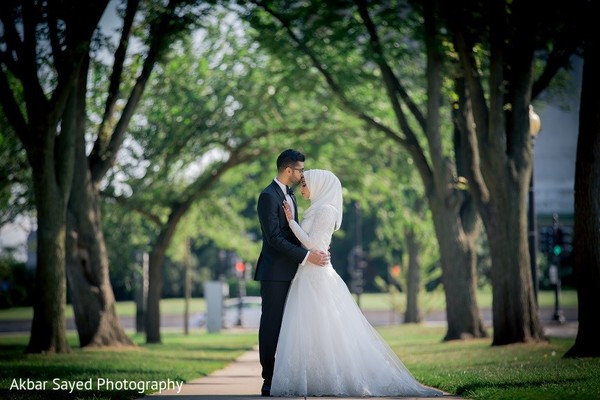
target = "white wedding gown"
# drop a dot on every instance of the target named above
(326, 346)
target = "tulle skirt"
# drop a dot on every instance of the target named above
(327, 347)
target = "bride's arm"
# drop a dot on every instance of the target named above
(321, 231)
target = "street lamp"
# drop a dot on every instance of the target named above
(535, 126)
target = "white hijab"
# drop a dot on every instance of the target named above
(325, 188)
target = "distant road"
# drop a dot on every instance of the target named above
(375, 317)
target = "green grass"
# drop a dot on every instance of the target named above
(472, 369)
(124, 309)
(430, 301)
(433, 301)
(179, 358)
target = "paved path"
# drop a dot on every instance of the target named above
(239, 380)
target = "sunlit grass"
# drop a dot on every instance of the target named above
(124, 309)
(475, 369)
(435, 300)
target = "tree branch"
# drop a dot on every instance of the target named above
(115, 80)
(336, 89)
(410, 143)
(391, 81)
(127, 203)
(161, 35)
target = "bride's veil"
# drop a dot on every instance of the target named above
(325, 188)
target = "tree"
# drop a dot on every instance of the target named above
(357, 56)
(87, 264)
(39, 40)
(587, 202)
(191, 135)
(404, 229)
(494, 131)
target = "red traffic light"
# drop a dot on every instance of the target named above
(240, 266)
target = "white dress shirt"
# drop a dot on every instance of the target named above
(291, 203)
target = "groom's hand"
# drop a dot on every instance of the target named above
(318, 257)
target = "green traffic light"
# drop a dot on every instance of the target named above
(557, 250)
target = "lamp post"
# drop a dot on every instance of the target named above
(534, 128)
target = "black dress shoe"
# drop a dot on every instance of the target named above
(265, 391)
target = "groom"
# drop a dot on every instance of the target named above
(280, 256)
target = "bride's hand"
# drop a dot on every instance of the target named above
(287, 210)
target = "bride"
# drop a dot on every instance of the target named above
(326, 346)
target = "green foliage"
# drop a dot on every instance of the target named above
(16, 282)
(216, 102)
(339, 42)
(16, 193)
(127, 235)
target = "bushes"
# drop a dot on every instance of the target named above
(16, 283)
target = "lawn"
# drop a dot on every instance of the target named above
(179, 358)
(435, 301)
(475, 370)
(472, 369)
(124, 309)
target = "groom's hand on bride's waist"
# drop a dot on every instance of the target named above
(319, 257)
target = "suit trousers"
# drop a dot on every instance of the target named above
(274, 294)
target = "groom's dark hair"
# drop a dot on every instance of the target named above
(288, 158)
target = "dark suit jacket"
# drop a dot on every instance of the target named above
(281, 251)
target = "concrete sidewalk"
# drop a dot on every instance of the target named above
(239, 380)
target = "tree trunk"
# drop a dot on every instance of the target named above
(51, 160)
(513, 303)
(87, 260)
(501, 199)
(458, 258)
(586, 240)
(48, 327)
(157, 257)
(413, 279)
(87, 266)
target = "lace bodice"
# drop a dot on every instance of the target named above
(315, 231)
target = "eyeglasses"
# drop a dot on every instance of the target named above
(298, 169)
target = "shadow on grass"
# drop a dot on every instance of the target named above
(7, 394)
(464, 389)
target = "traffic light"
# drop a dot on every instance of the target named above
(545, 240)
(240, 267)
(557, 249)
(557, 240)
(567, 241)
